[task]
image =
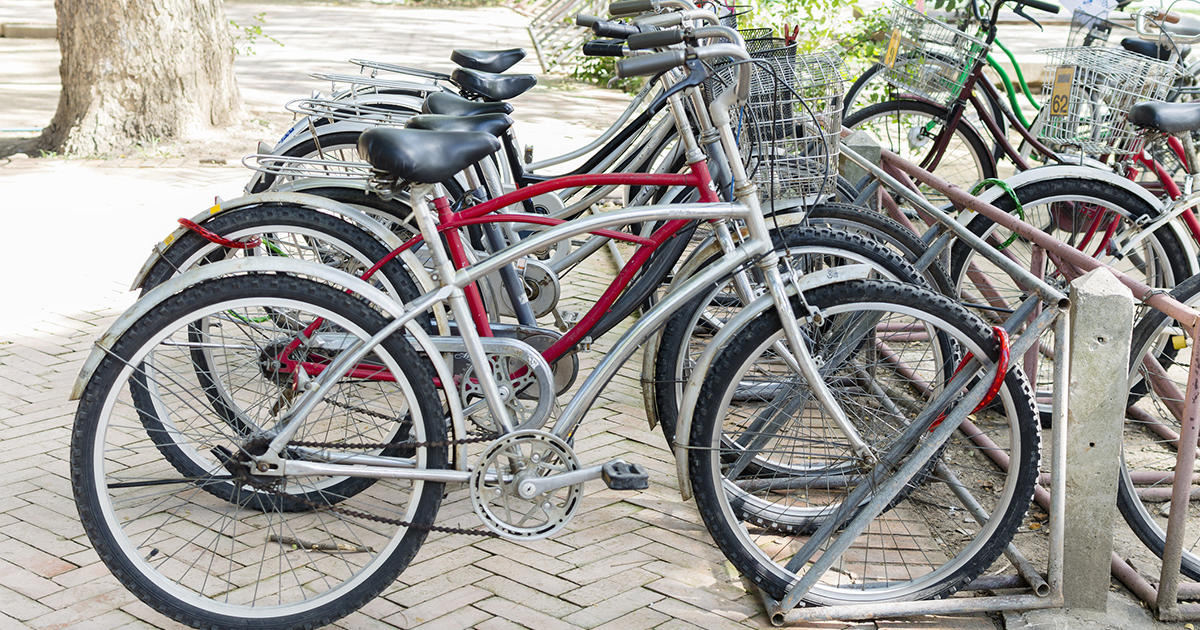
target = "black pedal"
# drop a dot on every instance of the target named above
(620, 475)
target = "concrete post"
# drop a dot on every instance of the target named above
(863, 144)
(1101, 326)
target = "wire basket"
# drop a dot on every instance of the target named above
(927, 57)
(1092, 28)
(1089, 91)
(791, 125)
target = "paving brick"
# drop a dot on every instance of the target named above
(637, 620)
(527, 575)
(521, 614)
(619, 604)
(529, 597)
(436, 607)
(467, 617)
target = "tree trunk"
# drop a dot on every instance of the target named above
(140, 70)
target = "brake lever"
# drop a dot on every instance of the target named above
(1020, 10)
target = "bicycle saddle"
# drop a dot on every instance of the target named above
(1166, 117)
(1154, 50)
(495, 124)
(455, 105)
(417, 155)
(488, 60)
(493, 87)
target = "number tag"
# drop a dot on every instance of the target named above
(1060, 96)
(889, 59)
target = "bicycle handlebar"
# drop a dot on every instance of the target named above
(1040, 5)
(586, 20)
(656, 39)
(647, 65)
(604, 48)
(616, 30)
(624, 8)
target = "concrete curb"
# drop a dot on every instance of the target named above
(28, 31)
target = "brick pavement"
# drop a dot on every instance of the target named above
(79, 229)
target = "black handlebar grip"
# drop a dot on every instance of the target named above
(619, 30)
(586, 21)
(655, 39)
(622, 8)
(604, 48)
(1040, 5)
(650, 64)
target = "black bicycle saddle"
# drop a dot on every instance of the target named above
(495, 124)
(488, 60)
(493, 87)
(1166, 117)
(455, 105)
(417, 155)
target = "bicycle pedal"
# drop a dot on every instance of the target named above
(620, 475)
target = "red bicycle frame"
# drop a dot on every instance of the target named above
(450, 221)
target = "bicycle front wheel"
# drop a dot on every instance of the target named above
(885, 350)
(1159, 358)
(175, 507)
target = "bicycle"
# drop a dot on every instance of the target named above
(345, 336)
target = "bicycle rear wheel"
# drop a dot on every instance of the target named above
(753, 405)
(190, 528)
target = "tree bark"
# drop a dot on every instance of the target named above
(140, 70)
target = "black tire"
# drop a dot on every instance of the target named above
(1054, 205)
(884, 229)
(338, 242)
(158, 533)
(684, 336)
(1148, 449)
(909, 127)
(936, 564)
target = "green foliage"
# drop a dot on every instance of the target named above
(603, 71)
(245, 35)
(841, 24)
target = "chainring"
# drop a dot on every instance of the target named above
(512, 459)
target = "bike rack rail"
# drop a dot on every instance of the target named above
(900, 177)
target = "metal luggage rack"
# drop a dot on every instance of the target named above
(1089, 91)
(296, 167)
(350, 110)
(928, 57)
(367, 83)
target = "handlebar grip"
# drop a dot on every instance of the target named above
(586, 20)
(604, 48)
(655, 39)
(618, 30)
(622, 8)
(650, 64)
(1169, 18)
(1041, 5)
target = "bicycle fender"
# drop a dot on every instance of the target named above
(314, 202)
(701, 253)
(1092, 172)
(691, 392)
(156, 296)
(1077, 171)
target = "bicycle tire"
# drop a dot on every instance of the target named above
(1145, 447)
(1160, 261)
(897, 126)
(880, 575)
(161, 537)
(680, 334)
(338, 240)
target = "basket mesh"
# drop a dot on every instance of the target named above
(1089, 91)
(927, 57)
(789, 127)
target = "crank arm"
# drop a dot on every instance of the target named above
(533, 487)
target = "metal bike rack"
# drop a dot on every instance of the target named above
(898, 176)
(554, 34)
